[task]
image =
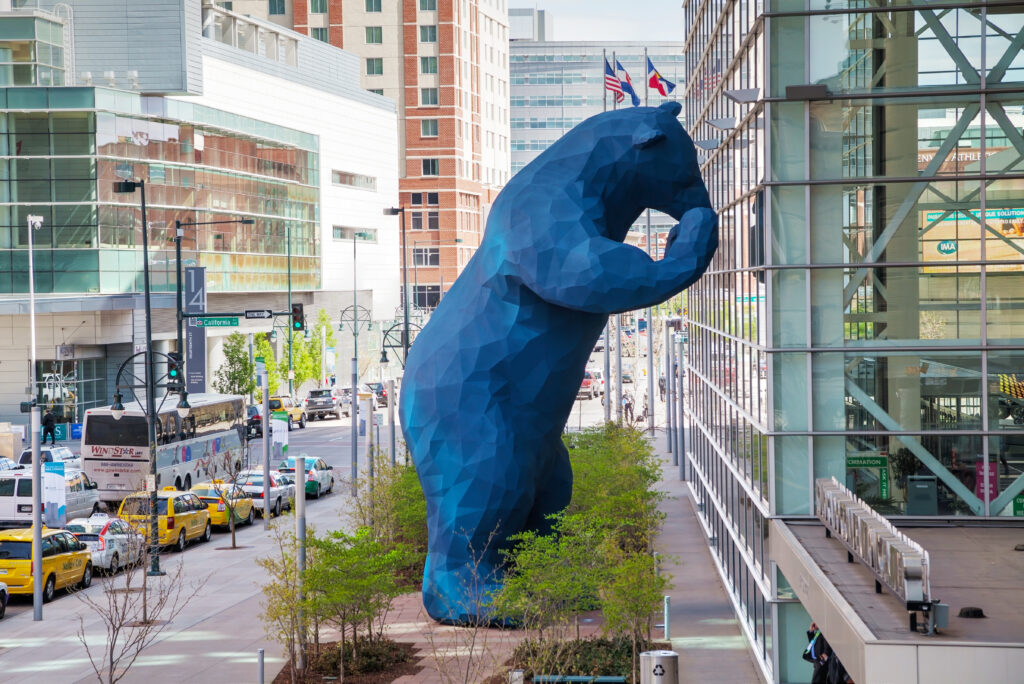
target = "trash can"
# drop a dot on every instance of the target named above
(659, 667)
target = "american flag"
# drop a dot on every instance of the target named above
(711, 80)
(612, 82)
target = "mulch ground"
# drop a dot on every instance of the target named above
(411, 667)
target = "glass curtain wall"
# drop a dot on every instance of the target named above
(862, 318)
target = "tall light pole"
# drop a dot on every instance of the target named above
(34, 223)
(400, 211)
(129, 187)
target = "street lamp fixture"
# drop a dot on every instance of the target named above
(400, 211)
(384, 357)
(117, 408)
(183, 406)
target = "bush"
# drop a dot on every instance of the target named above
(609, 657)
(371, 655)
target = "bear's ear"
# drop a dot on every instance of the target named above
(671, 107)
(646, 135)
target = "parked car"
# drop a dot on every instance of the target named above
(51, 454)
(280, 494)
(319, 478)
(324, 402)
(588, 387)
(597, 376)
(66, 561)
(82, 498)
(380, 393)
(181, 517)
(295, 412)
(113, 543)
(10, 464)
(218, 496)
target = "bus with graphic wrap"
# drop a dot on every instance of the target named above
(204, 445)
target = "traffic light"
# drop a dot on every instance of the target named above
(298, 318)
(174, 367)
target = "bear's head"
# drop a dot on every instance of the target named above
(666, 174)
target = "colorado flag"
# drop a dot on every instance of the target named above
(657, 81)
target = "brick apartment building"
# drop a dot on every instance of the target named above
(445, 62)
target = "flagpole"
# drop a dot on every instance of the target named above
(618, 317)
(649, 313)
(606, 398)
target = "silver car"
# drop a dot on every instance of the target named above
(113, 542)
(280, 493)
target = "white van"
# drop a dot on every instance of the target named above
(81, 498)
(52, 454)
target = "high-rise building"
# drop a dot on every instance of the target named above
(862, 319)
(178, 97)
(558, 84)
(446, 65)
(528, 23)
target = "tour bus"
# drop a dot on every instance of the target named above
(205, 445)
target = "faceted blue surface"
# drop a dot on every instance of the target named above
(491, 380)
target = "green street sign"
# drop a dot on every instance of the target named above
(1018, 506)
(216, 322)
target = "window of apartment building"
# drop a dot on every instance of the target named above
(360, 234)
(375, 91)
(373, 5)
(428, 128)
(428, 96)
(428, 65)
(426, 296)
(276, 7)
(318, 6)
(426, 256)
(428, 5)
(431, 167)
(426, 220)
(428, 34)
(418, 198)
(374, 66)
(353, 180)
(374, 35)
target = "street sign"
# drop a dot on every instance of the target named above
(258, 313)
(211, 322)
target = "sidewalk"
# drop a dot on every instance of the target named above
(703, 627)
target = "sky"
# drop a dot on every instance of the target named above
(597, 20)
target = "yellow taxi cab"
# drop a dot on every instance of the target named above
(66, 561)
(181, 516)
(219, 497)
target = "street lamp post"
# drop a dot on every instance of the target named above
(34, 223)
(129, 187)
(396, 211)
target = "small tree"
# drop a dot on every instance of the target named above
(632, 591)
(237, 375)
(133, 613)
(302, 361)
(265, 350)
(282, 614)
(351, 583)
(322, 327)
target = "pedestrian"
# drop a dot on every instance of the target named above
(49, 427)
(661, 386)
(627, 407)
(816, 654)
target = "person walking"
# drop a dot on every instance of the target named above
(627, 407)
(49, 427)
(661, 386)
(817, 654)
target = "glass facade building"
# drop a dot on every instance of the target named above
(61, 149)
(864, 315)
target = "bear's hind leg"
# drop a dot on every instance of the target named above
(554, 488)
(475, 502)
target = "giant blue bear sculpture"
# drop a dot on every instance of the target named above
(491, 379)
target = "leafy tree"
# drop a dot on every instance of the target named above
(322, 326)
(282, 616)
(351, 583)
(263, 348)
(237, 375)
(632, 592)
(302, 362)
(392, 506)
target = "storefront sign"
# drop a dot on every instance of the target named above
(195, 334)
(881, 462)
(1018, 506)
(986, 490)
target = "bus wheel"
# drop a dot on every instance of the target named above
(188, 482)
(177, 484)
